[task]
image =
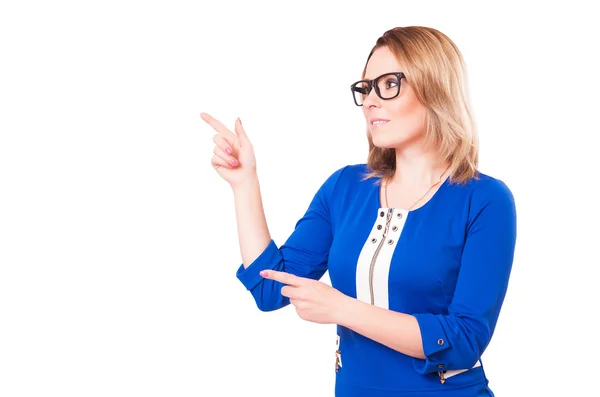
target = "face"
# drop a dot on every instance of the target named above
(401, 118)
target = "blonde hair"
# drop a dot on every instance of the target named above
(434, 67)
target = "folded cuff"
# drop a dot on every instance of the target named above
(434, 341)
(267, 260)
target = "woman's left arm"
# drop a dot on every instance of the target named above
(455, 340)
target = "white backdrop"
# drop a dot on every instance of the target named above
(118, 245)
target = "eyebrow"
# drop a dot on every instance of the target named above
(367, 78)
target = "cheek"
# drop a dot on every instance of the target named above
(405, 106)
(411, 114)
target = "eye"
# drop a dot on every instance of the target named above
(390, 83)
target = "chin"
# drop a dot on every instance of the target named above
(390, 141)
(383, 143)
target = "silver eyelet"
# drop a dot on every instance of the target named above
(394, 228)
(399, 215)
(379, 227)
(390, 242)
(373, 240)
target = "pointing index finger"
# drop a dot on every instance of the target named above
(219, 127)
(282, 277)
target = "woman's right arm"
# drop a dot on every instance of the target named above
(306, 251)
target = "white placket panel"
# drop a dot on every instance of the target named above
(374, 261)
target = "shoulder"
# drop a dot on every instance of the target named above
(346, 181)
(348, 175)
(489, 194)
(355, 173)
(485, 187)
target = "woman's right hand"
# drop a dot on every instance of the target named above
(233, 157)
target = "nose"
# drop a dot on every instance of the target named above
(372, 100)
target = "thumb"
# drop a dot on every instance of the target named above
(239, 130)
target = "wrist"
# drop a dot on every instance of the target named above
(346, 311)
(246, 186)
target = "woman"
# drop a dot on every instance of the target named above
(418, 243)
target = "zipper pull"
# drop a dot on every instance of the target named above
(387, 222)
(442, 379)
(337, 360)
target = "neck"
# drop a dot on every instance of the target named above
(418, 168)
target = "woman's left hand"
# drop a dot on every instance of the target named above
(314, 300)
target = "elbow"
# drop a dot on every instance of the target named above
(466, 359)
(269, 304)
(470, 348)
(266, 306)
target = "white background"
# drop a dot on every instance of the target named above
(118, 246)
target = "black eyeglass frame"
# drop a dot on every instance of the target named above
(373, 84)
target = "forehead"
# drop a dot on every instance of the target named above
(382, 61)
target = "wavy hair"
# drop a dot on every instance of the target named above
(435, 69)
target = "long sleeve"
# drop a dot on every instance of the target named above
(304, 254)
(457, 340)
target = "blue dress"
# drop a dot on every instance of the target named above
(447, 263)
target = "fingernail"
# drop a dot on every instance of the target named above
(240, 121)
(234, 162)
(263, 273)
(228, 150)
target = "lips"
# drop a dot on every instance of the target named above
(377, 122)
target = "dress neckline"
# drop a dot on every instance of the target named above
(379, 197)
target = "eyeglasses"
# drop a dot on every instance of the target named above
(387, 86)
